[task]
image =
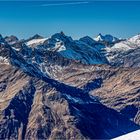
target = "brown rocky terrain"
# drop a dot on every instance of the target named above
(32, 108)
(118, 88)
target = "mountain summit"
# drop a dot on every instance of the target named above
(107, 38)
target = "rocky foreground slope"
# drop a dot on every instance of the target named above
(60, 88)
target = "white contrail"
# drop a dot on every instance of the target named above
(61, 4)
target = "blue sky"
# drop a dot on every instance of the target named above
(75, 18)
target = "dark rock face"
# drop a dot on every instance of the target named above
(11, 39)
(1, 39)
(36, 36)
(16, 114)
(4, 51)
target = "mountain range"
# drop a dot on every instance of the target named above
(62, 88)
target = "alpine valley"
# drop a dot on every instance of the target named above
(65, 89)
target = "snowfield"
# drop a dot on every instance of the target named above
(135, 40)
(36, 41)
(130, 136)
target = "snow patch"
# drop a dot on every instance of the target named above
(135, 40)
(3, 60)
(130, 136)
(59, 46)
(106, 38)
(17, 49)
(36, 42)
(123, 46)
(98, 38)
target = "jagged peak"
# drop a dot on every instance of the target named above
(36, 39)
(106, 38)
(11, 38)
(36, 36)
(1, 39)
(99, 37)
(61, 37)
(1, 36)
(88, 40)
(134, 38)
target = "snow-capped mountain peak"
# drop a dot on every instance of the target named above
(35, 42)
(74, 49)
(107, 38)
(135, 39)
(11, 39)
(61, 37)
(99, 37)
(65, 46)
(103, 50)
(36, 36)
